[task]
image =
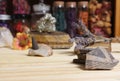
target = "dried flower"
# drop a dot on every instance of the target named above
(22, 41)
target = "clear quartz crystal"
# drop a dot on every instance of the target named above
(6, 37)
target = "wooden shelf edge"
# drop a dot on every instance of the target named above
(117, 19)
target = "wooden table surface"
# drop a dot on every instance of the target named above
(17, 66)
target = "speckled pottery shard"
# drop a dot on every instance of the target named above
(43, 51)
(100, 58)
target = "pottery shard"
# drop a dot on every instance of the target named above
(44, 51)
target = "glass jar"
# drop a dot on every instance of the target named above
(83, 12)
(71, 16)
(3, 6)
(21, 7)
(100, 17)
(21, 23)
(6, 38)
(59, 14)
(40, 10)
(5, 21)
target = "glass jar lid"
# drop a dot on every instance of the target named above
(41, 8)
(5, 17)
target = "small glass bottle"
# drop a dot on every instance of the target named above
(21, 23)
(59, 14)
(83, 12)
(71, 16)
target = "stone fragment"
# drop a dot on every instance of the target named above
(39, 50)
(44, 51)
(100, 58)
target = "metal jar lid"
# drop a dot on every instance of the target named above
(58, 3)
(5, 17)
(83, 3)
(41, 8)
(71, 4)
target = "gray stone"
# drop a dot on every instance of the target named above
(100, 58)
(43, 50)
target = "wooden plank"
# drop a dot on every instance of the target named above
(17, 66)
(117, 19)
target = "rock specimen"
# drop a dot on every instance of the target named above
(44, 50)
(92, 58)
(84, 38)
(99, 58)
(39, 50)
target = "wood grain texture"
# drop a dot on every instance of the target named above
(117, 19)
(17, 66)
